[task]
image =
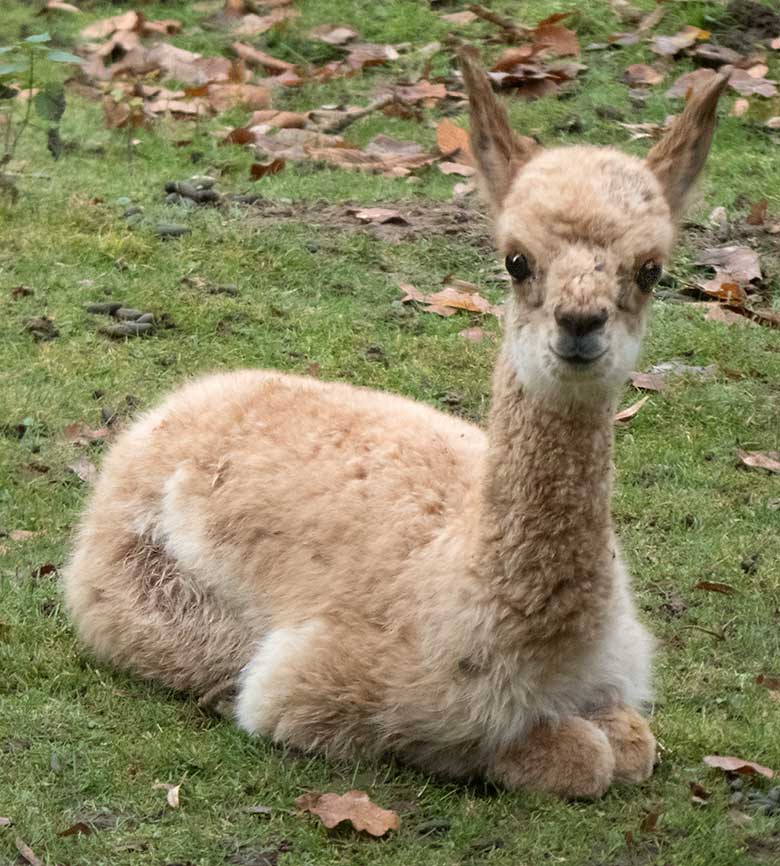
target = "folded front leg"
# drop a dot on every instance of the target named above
(571, 758)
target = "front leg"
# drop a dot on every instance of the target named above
(632, 742)
(571, 758)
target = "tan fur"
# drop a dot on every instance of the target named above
(378, 576)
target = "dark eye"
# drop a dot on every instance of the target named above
(518, 267)
(648, 275)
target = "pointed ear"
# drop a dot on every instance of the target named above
(498, 153)
(680, 155)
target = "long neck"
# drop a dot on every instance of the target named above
(544, 540)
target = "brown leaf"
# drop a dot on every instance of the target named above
(471, 301)
(641, 73)
(239, 135)
(452, 139)
(261, 169)
(172, 795)
(768, 460)
(699, 794)
(254, 57)
(710, 586)
(278, 119)
(254, 25)
(84, 469)
(42, 570)
(369, 54)
(26, 852)
(690, 82)
(716, 55)
(668, 46)
(5, 822)
(625, 415)
(757, 215)
(739, 262)
(77, 829)
(770, 682)
(377, 215)
(421, 91)
(224, 96)
(473, 335)
(80, 433)
(457, 168)
(333, 34)
(459, 18)
(737, 765)
(355, 807)
(556, 39)
(719, 313)
(648, 381)
(739, 108)
(723, 287)
(743, 82)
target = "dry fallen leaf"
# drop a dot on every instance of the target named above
(457, 168)
(737, 765)
(473, 335)
(739, 108)
(80, 433)
(77, 829)
(668, 46)
(261, 169)
(61, 6)
(254, 57)
(711, 586)
(26, 852)
(377, 215)
(172, 795)
(770, 682)
(740, 262)
(84, 469)
(631, 411)
(723, 287)
(641, 73)
(355, 807)
(648, 381)
(690, 81)
(743, 82)
(718, 313)
(22, 534)
(333, 34)
(452, 139)
(768, 460)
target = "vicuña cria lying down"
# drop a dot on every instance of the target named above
(376, 576)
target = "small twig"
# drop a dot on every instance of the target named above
(516, 31)
(342, 123)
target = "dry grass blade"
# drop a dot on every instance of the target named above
(26, 852)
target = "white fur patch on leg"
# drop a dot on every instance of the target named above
(266, 680)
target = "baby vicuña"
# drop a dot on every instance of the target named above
(375, 576)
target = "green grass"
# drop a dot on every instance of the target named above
(79, 742)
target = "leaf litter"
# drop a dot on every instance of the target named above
(354, 807)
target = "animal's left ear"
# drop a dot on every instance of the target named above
(680, 155)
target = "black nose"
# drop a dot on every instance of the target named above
(577, 324)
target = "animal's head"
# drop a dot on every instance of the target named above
(585, 232)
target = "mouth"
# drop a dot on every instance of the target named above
(578, 361)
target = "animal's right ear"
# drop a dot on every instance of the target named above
(497, 151)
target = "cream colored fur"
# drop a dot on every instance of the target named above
(379, 577)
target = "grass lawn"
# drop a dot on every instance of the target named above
(317, 292)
